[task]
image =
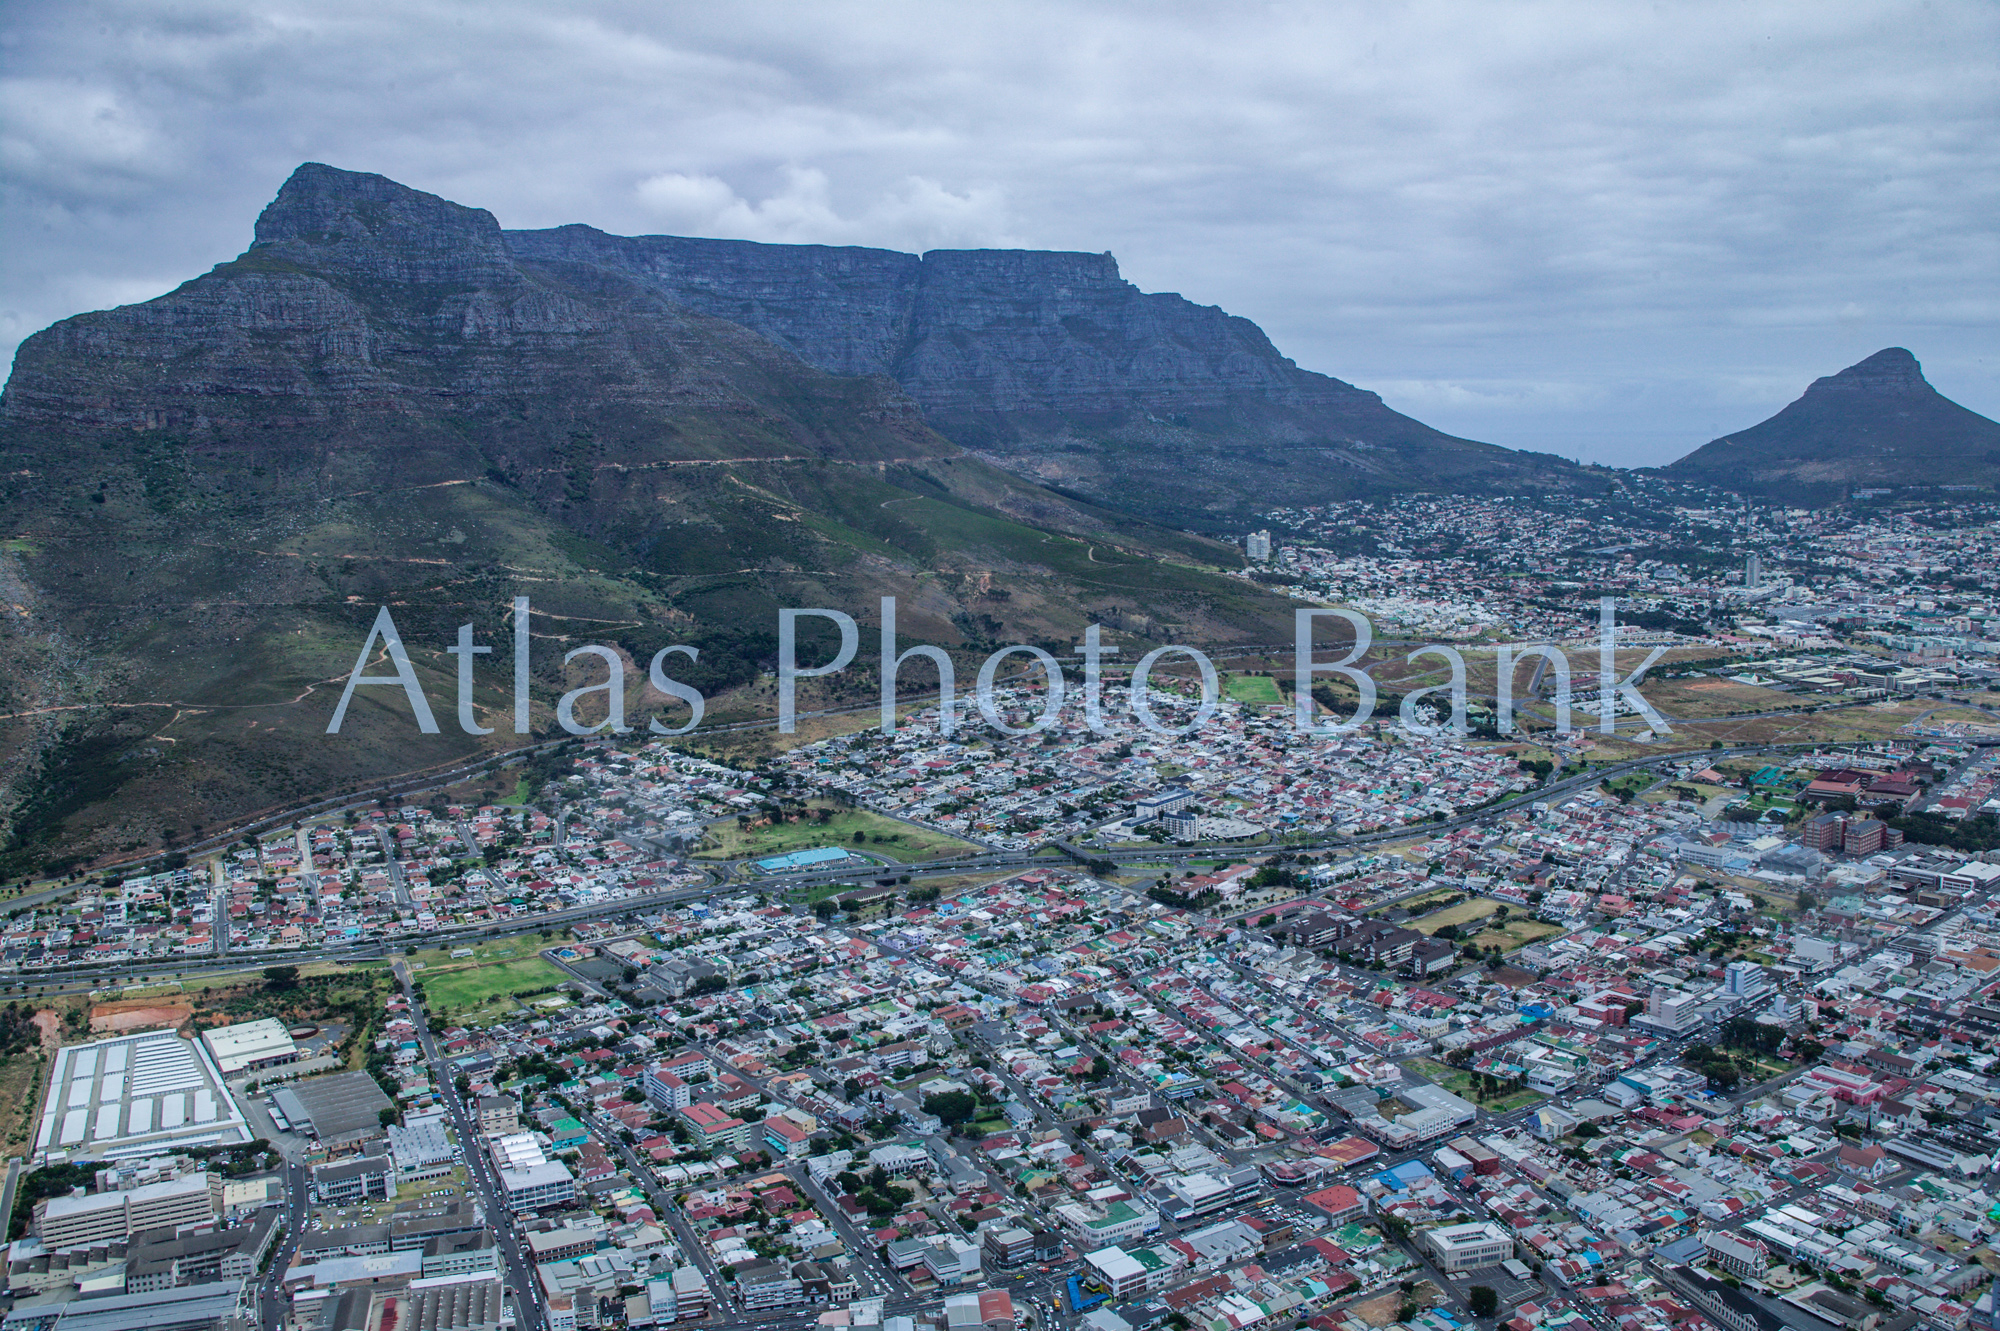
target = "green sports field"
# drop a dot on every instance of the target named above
(474, 986)
(1254, 689)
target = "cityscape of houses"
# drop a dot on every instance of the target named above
(1245, 1028)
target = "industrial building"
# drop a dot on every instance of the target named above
(339, 1107)
(136, 1095)
(249, 1046)
(357, 1179)
(219, 1305)
(162, 1259)
(422, 1149)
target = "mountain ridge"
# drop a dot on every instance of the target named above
(1877, 423)
(207, 495)
(1051, 364)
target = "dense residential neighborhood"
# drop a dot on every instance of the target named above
(1093, 1026)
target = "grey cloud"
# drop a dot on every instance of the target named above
(1562, 225)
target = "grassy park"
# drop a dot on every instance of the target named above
(1462, 1083)
(1255, 689)
(1517, 932)
(1633, 783)
(1462, 914)
(430, 960)
(1703, 791)
(497, 971)
(476, 986)
(1417, 905)
(853, 829)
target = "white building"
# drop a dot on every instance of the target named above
(529, 1178)
(1670, 1010)
(1466, 1247)
(1117, 1270)
(1160, 803)
(953, 1261)
(1745, 979)
(1115, 1223)
(137, 1095)
(536, 1186)
(250, 1045)
(103, 1217)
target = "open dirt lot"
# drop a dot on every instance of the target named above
(1378, 1311)
(139, 1014)
(1694, 699)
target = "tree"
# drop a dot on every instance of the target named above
(952, 1107)
(1484, 1299)
(281, 977)
(390, 1114)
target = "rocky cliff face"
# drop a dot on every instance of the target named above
(383, 403)
(993, 334)
(1052, 364)
(968, 333)
(1876, 423)
(364, 301)
(843, 309)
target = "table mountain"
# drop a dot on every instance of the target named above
(386, 401)
(1876, 423)
(1051, 364)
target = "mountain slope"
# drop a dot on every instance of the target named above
(364, 305)
(1053, 365)
(206, 496)
(1876, 423)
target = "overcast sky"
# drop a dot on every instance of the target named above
(1606, 229)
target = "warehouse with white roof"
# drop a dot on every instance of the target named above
(250, 1045)
(136, 1095)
